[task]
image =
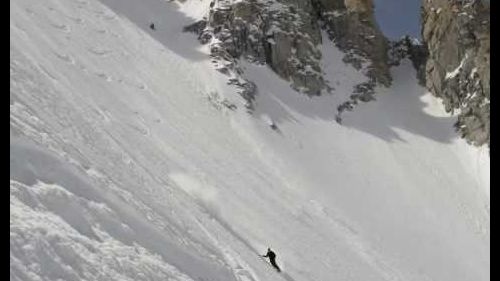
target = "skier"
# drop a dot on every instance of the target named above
(272, 258)
(152, 26)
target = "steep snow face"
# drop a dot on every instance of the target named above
(128, 164)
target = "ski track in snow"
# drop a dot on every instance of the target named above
(122, 170)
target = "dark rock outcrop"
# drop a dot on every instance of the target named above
(456, 33)
(411, 49)
(351, 25)
(286, 34)
(283, 35)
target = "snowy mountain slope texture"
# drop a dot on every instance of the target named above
(457, 34)
(133, 157)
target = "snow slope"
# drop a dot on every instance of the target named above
(125, 165)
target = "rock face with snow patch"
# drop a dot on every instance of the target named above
(351, 25)
(285, 35)
(411, 49)
(457, 36)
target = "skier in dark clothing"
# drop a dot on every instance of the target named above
(272, 258)
(152, 26)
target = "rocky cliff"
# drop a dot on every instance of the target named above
(457, 37)
(285, 35)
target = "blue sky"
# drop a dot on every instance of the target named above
(398, 17)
